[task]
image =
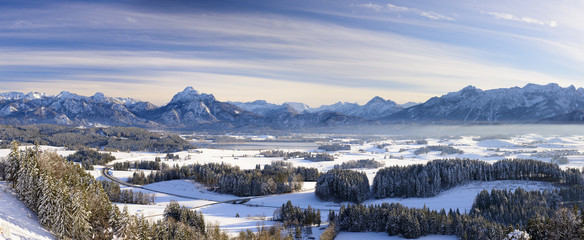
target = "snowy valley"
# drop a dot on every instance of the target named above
(234, 214)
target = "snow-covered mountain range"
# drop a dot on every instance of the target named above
(376, 108)
(190, 109)
(532, 103)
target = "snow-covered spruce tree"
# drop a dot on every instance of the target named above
(79, 216)
(565, 223)
(192, 218)
(517, 235)
(48, 201)
(291, 215)
(13, 164)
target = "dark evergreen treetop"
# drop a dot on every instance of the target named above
(343, 185)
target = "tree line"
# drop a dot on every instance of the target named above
(145, 165)
(315, 157)
(343, 185)
(396, 219)
(291, 215)
(224, 178)
(427, 180)
(334, 147)
(444, 150)
(90, 157)
(362, 163)
(115, 194)
(105, 138)
(308, 173)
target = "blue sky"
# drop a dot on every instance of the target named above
(312, 51)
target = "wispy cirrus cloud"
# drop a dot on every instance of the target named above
(391, 8)
(529, 20)
(405, 52)
(284, 54)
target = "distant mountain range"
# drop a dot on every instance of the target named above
(190, 109)
(530, 104)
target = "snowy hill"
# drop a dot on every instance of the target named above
(16, 220)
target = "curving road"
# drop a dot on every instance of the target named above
(106, 174)
(242, 201)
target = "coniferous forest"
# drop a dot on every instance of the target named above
(224, 178)
(343, 185)
(106, 138)
(292, 215)
(427, 180)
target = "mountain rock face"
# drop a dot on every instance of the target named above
(532, 103)
(190, 109)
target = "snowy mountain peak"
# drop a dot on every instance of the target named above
(190, 94)
(11, 96)
(378, 102)
(34, 95)
(68, 95)
(409, 104)
(98, 96)
(531, 87)
(470, 89)
(299, 107)
(264, 102)
(190, 89)
(466, 92)
(376, 99)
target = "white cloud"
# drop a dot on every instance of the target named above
(306, 58)
(395, 8)
(400, 9)
(315, 56)
(435, 16)
(529, 20)
(372, 6)
(131, 19)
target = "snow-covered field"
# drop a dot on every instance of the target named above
(16, 221)
(393, 152)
